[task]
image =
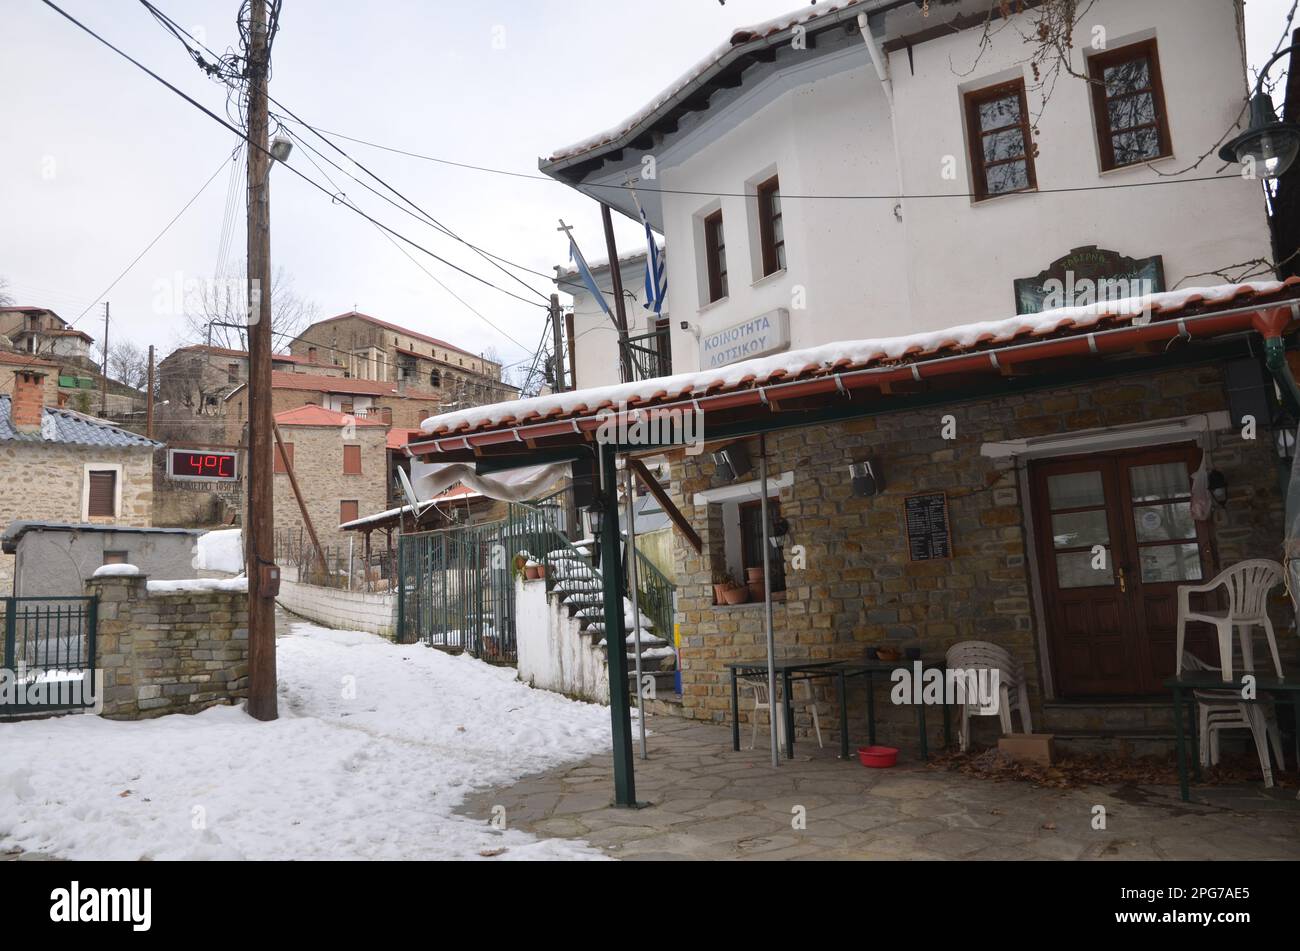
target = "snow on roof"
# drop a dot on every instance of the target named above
(458, 493)
(848, 354)
(694, 76)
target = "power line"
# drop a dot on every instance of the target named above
(216, 118)
(644, 188)
(424, 216)
(136, 259)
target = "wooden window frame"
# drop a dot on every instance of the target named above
(352, 452)
(715, 255)
(280, 467)
(975, 138)
(356, 510)
(767, 219)
(1097, 65)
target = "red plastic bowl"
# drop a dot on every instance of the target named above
(877, 757)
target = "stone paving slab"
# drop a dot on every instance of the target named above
(704, 801)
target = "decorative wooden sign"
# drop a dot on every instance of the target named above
(1089, 275)
(928, 533)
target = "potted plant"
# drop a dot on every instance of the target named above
(532, 570)
(722, 580)
(518, 565)
(738, 594)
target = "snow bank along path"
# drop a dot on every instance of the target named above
(376, 776)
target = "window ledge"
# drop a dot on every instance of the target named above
(711, 305)
(770, 278)
(748, 605)
(995, 199)
(1136, 166)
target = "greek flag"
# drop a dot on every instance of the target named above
(656, 277)
(584, 272)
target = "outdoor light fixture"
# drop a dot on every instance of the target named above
(1270, 144)
(733, 462)
(779, 531)
(1284, 440)
(596, 515)
(1218, 487)
(281, 146)
(866, 482)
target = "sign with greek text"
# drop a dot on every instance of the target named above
(764, 334)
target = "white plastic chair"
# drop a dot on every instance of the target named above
(981, 655)
(1248, 584)
(803, 696)
(1218, 710)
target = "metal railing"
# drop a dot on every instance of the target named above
(650, 354)
(49, 642)
(655, 596)
(342, 568)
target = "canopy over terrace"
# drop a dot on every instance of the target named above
(850, 379)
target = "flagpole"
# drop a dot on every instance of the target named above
(616, 278)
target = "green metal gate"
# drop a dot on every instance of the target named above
(48, 662)
(457, 585)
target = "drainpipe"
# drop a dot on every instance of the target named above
(881, 64)
(1270, 325)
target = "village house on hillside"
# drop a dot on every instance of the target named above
(340, 462)
(372, 349)
(74, 468)
(39, 330)
(196, 380)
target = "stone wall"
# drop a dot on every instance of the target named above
(169, 651)
(860, 588)
(375, 612)
(43, 481)
(318, 466)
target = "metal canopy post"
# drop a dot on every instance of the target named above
(636, 604)
(615, 640)
(767, 607)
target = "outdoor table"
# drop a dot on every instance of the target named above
(869, 669)
(1184, 688)
(843, 671)
(785, 669)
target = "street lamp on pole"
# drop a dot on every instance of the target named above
(1269, 146)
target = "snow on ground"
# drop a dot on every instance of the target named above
(373, 777)
(221, 550)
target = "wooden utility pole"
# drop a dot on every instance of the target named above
(616, 277)
(573, 351)
(103, 375)
(558, 343)
(263, 577)
(148, 399)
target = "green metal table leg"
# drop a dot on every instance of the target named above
(735, 712)
(844, 718)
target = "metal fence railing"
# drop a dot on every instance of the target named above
(344, 567)
(650, 355)
(49, 642)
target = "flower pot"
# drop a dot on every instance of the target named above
(541, 571)
(531, 572)
(755, 589)
(720, 594)
(754, 574)
(737, 595)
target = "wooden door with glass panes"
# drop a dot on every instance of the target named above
(1116, 538)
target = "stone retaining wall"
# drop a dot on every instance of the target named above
(375, 612)
(168, 651)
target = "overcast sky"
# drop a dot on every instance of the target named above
(96, 157)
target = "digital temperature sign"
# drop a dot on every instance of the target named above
(202, 464)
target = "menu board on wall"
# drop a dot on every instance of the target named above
(928, 536)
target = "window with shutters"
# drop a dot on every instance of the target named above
(280, 458)
(102, 497)
(352, 460)
(348, 511)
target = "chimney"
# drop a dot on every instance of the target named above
(28, 400)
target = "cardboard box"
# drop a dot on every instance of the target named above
(1036, 748)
